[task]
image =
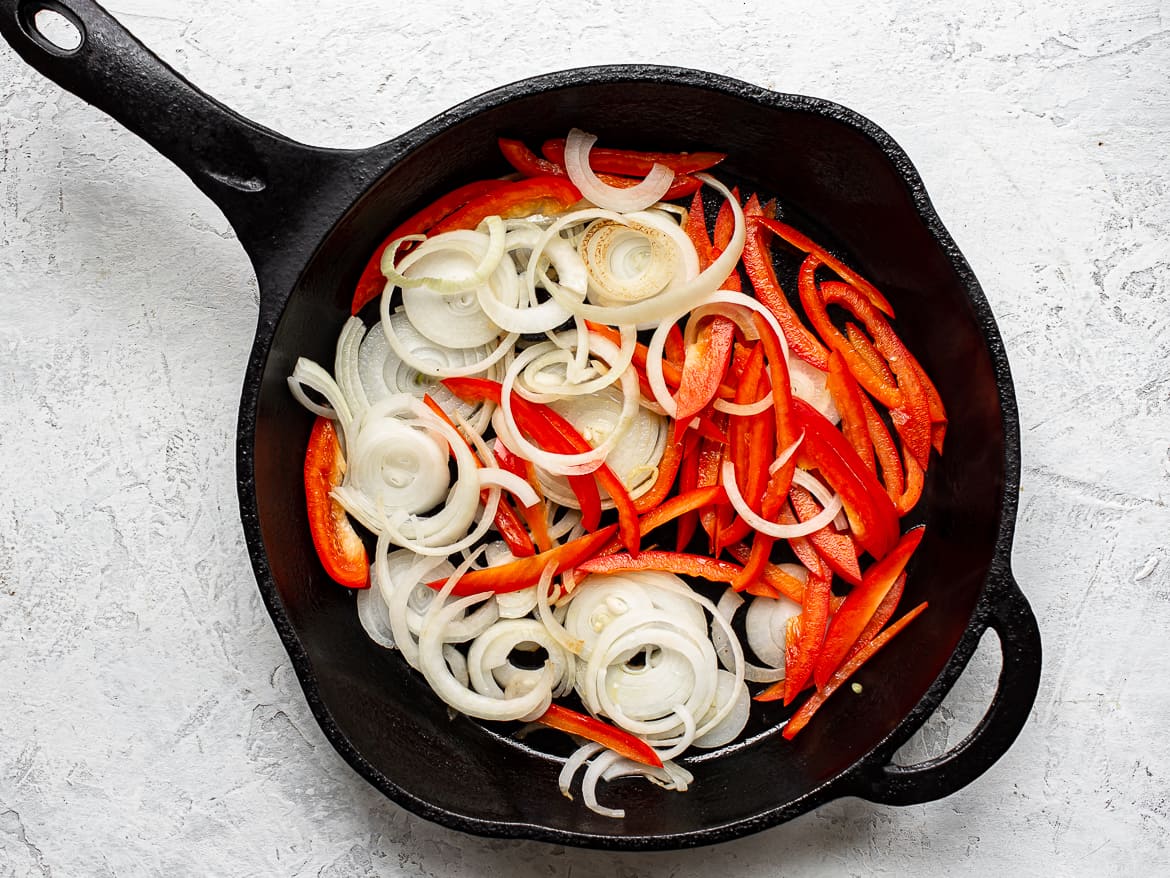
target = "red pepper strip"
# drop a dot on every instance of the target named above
(523, 572)
(667, 472)
(769, 209)
(772, 574)
(537, 514)
(868, 352)
(670, 371)
(696, 229)
(541, 432)
(610, 737)
(847, 274)
(507, 521)
(710, 461)
(847, 398)
(703, 370)
(725, 223)
(813, 301)
(887, 455)
(573, 442)
(756, 562)
(688, 480)
(914, 483)
(861, 603)
(675, 349)
(372, 281)
(757, 261)
(682, 563)
(871, 513)
(884, 612)
(341, 550)
(635, 163)
(546, 195)
(836, 550)
(526, 161)
(801, 717)
(802, 548)
(912, 416)
(751, 446)
(786, 429)
(938, 413)
(813, 619)
(677, 506)
(761, 589)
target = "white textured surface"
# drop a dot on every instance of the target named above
(149, 720)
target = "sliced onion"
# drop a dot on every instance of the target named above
(345, 366)
(573, 764)
(785, 455)
(374, 616)
(519, 488)
(729, 727)
(766, 621)
(650, 190)
(744, 409)
(771, 528)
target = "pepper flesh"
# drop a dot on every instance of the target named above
(634, 163)
(612, 738)
(682, 563)
(523, 572)
(703, 369)
(861, 604)
(341, 550)
(548, 195)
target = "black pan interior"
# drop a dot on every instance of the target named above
(851, 194)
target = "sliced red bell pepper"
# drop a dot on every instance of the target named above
(871, 513)
(751, 444)
(696, 229)
(635, 163)
(667, 473)
(757, 261)
(847, 398)
(915, 479)
(507, 521)
(911, 416)
(549, 195)
(703, 370)
(671, 368)
(537, 514)
(772, 574)
(861, 603)
(675, 349)
(610, 737)
(523, 572)
(865, 349)
(526, 161)
(341, 550)
(710, 461)
(372, 281)
(836, 549)
(813, 302)
(813, 619)
(682, 563)
(804, 714)
(684, 503)
(542, 433)
(887, 453)
(725, 223)
(802, 242)
(884, 612)
(688, 480)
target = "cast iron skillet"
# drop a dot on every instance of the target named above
(310, 217)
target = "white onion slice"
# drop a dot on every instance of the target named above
(744, 409)
(650, 190)
(771, 528)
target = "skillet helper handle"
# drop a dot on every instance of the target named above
(256, 176)
(1019, 679)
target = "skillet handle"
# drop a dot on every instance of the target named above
(1019, 679)
(261, 180)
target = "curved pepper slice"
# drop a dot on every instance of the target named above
(610, 737)
(529, 164)
(548, 195)
(341, 550)
(836, 549)
(634, 163)
(861, 604)
(699, 566)
(811, 635)
(872, 516)
(372, 281)
(523, 572)
(804, 714)
(703, 369)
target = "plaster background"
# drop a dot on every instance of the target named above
(149, 720)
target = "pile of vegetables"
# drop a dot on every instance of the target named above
(564, 363)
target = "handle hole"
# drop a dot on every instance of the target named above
(58, 30)
(962, 709)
